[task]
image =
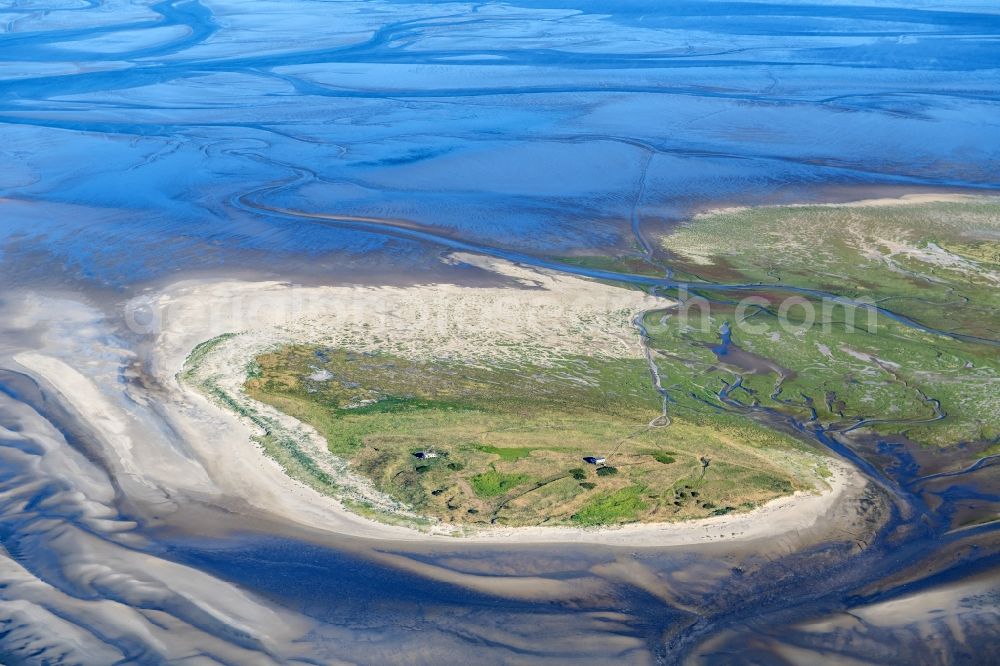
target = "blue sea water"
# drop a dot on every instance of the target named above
(143, 141)
(129, 127)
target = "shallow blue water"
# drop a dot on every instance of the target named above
(128, 127)
(143, 140)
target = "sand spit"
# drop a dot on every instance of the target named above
(902, 200)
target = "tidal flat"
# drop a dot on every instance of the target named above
(205, 176)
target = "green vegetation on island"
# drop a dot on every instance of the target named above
(936, 263)
(845, 367)
(505, 445)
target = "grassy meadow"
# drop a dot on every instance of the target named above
(510, 441)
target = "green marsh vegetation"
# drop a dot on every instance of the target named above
(937, 263)
(509, 442)
(933, 263)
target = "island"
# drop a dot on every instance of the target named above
(562, 400)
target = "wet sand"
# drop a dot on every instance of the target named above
(135, 529)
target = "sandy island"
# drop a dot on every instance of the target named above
(531, 313)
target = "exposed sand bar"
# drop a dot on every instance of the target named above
(913, 199)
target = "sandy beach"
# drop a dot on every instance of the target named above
(913, 199)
